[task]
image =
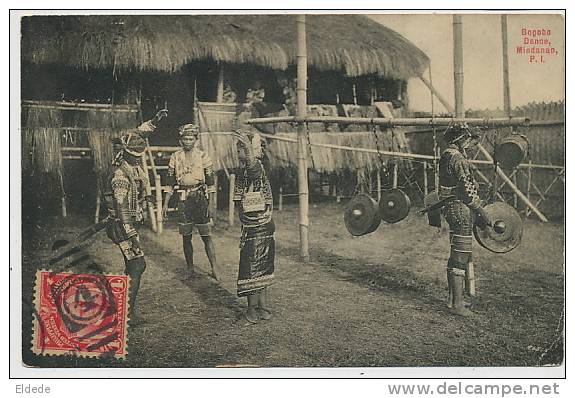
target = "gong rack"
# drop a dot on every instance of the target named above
(363, 214)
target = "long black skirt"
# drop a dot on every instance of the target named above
(257, 255)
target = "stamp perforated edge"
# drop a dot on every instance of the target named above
(81, 354)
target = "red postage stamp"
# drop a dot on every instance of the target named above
(80, 314)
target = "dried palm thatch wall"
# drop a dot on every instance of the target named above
(103, 127)
(352, 44)
(41, 150)
(44, 128)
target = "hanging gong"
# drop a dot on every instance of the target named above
(506, 232)
(394, 205)
(361, 215)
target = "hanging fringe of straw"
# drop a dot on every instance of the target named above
(104, 126)
(41, 150)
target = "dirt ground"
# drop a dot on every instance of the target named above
(376, 300)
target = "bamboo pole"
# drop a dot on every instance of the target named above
(458, 65)
(425, 187)
(513, 187)
(529, 180)
(378, 185)
(97, 212)
(506, 88)
(484, 178)
(159, 207)
(152, 162)
(63, 199)
(530, 165)
(77, 106)
(392, 122)
(231, 203)
(151, 213)
(63, 203)
(303, 188)
(215, 205)
(515, 194)
(441, 98)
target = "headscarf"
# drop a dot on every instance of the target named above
(189, 129)
(132, 143)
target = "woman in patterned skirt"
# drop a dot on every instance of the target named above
(257, 245)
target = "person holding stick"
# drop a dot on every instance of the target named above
(125, 197)
(191, 175)
(257, 244)
(456, 180)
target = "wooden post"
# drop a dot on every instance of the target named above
(281, 199)
(378, 185)
(220, 87)
(395, 175)
(458, 65)
(231, 207)
(159, 215)
(302, 141)
(425, 187)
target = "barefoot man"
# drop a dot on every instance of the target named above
(456, 179)
(191, 175)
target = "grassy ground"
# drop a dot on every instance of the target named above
(377, 300)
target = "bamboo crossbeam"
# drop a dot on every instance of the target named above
(390, 122)
(331, 146)
(79, 106)
(352, 149)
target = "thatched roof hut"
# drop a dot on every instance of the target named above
(352, 44)
(152, 61)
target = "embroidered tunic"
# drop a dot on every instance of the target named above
(192, 168)
(456, 177)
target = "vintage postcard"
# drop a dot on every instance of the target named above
(380, 193)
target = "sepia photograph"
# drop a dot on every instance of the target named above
(296, 189)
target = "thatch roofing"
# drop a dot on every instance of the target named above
(353, 44)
